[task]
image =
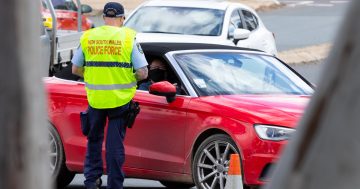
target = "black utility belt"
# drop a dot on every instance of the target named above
(130, 115)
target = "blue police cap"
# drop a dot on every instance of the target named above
(113, 9)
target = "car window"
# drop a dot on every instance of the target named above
(62, 5)
(177, 20)
(235, 73)
(168, 74)
(250, 20)
(235, 22)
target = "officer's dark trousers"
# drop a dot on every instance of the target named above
(115, 153)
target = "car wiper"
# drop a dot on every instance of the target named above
(154, 31)
(203, 34)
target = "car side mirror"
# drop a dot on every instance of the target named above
(86, 8)
(240, 34)
(163, 88)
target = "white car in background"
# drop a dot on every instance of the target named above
(216, 22)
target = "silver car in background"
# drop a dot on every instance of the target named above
(215, 22)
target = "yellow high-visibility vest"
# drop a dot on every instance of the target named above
(109, 78)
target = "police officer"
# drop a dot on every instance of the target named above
(106, 59)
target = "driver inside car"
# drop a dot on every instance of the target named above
(157, 72)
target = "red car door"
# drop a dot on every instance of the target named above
(156, 142)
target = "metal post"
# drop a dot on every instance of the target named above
(79, 21)
(53, 54)
(23, 136)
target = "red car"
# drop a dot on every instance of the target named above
(67, 16)
(228, 100)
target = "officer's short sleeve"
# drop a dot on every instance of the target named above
(78, 58)
(137, 56)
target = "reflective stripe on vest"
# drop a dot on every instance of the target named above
(110, 87)
(109, 77)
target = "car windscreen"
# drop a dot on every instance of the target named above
(62, 5)
(177, 20)
(228, 73)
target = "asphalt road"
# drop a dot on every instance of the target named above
(305, 23)
(128, 184)
(78, 181)
(310, 71)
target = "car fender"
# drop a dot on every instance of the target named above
(213, 124)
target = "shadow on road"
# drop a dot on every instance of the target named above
(81, 187)
(130, 183)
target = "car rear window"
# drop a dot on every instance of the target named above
(62, 5)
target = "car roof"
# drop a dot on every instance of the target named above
(163, 48)
(221, 5)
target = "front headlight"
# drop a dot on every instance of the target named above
(275, 133)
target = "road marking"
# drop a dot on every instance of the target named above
(305, 2)
(289, 1)
(320, 5)
(337, 2)
(293, 3)
(297, 3)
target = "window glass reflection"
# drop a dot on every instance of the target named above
(232, 73)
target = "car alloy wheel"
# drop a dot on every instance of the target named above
(60, 174)
(211, 161)
(53, 153)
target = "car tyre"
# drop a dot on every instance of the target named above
(211, 161)
(176, 185)
(60, 174)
